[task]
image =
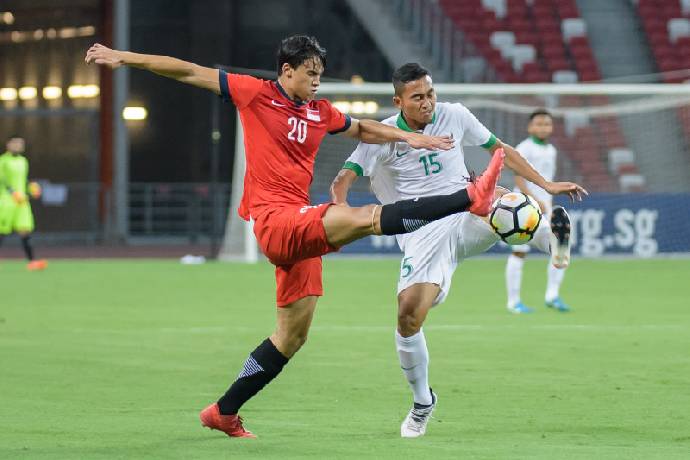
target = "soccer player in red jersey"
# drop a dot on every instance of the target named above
(284, 126)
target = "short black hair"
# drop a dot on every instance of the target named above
(407, 73)
(14, 136)
(296, 49)
(539, 112)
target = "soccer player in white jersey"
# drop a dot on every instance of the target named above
(541, 154)
(431, 253)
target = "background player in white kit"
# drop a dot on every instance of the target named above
(537, 150)
(431, 253)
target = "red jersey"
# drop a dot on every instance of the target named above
(281, 139)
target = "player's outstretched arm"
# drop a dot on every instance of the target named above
(341, 185)
(177, 69)
(374, 132)
(522, 168)
(521, 184)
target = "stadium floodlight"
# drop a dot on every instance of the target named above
(343, 106)
(134, 113)
(83, 91)
(91, 91)
(86, 31)
(8, 94)
(7, 18)
(52, 92)
(27, 93)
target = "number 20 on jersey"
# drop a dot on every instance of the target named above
(298, 130)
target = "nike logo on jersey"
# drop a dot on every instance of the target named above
(277, 104)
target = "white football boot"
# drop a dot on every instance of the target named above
(414, 424)
(560, 237)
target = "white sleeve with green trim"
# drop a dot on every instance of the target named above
(475, 133)
(363, 160)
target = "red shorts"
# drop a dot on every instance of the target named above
(294, 239)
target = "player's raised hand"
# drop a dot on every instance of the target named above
(102, 55)
(422, 141)
(573, 190)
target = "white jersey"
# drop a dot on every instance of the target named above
(399, 172)
(542, 157)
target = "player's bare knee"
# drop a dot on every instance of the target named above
(409, 323)
(520, 254)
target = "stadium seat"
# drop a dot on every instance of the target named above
(573, 27)
(632, 182)
(553, 51)
(558, 64)
(564, 76)
(526, 31)
(567, 10)
(502, 39)
(527, 38)
(685, 7)
(618, 158)
(499, 7)
(520, 55)
(574, 121)
(678, 27)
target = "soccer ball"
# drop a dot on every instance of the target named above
(515, 217)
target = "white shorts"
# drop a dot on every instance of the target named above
(432, 253)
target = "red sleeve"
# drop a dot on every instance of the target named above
(241, 89)
(337, 121)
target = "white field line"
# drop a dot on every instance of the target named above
(389, 328)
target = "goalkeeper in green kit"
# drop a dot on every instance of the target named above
(15, 210)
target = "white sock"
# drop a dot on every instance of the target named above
(542, 236)
(414, 361)
(514, 279)
(554, 278)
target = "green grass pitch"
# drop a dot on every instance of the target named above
(114, 359)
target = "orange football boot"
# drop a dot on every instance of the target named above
(37, 265)
(481, 190)
(228, 424)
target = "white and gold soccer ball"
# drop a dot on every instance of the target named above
(515, 217)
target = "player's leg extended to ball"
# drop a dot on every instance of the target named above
(344, 224)
(263, 365)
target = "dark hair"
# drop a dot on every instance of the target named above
(539, 112)
(407, 73)
(296, 49)
(14, 136)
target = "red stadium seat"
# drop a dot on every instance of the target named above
(553, 51)
(526, 37)
(551, 38)
(578, 42)
(557, 64)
